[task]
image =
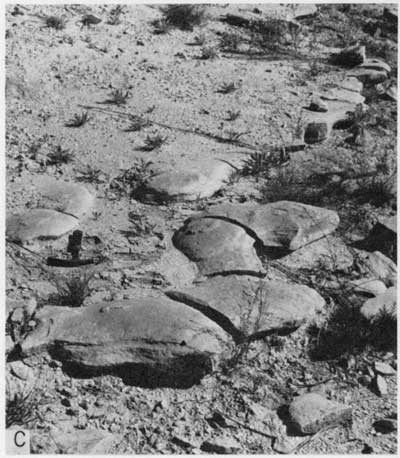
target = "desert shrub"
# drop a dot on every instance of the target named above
(21, 406)
(129, 180)
(155, 141)
(118, 97)
(184, 16)
(78, 120)
(208, 52)
(230, 41)
(55, 22)
(74, 290)
(59, 156)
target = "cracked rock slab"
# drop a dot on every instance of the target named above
(311, 412)
(218, 246)
(248, 307)
(38, 224)
(154, 335)
(283, 224)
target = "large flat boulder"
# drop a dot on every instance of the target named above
(248, 307)
(63, 196)
(217, 246)
(151, 340)
(38, 224)
(283, 224)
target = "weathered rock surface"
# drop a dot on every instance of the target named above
(284, 224)
(330, 252)
(377, 265)
(38, 224)
(352, 84)
(384, 303)
(375, 64)
(217, 246)
(187, 185)
(62, 196)
(311, 412)
(74, 441)
(245, 306)
(157, 336)
(368, 286)
(368, 75)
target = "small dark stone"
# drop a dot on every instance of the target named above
(385, 426)
(316, 132)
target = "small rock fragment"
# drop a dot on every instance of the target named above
(381, 386)
(221, 445)
(311, 412)
(318, 105)
(384, 368)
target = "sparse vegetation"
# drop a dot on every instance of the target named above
(60, 156)
(78, 120)
(55, 22)
(91, 175)
(228, 88)
(72, 291)
(232, 115)
(129, 180)
(118, 97)
(208, 52)
(230, 41)
(21, 407)
(137, 123)
(184, 16)
(152, 142)
(115, 15)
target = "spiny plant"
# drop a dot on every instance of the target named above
(78, 120)
(91, 175)
(232, 115)
(118, 97)
(137, 123)
(259, 164)
(184, 16)
(21, 407)
(55, 22)
(133, 178)
(208, 52)
(115, 15)
(73, 291)
(227, 88)
(152, 142)
(60, 156)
